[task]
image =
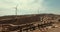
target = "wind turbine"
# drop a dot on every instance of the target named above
(16, 8)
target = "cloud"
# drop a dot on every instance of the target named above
(26, 4)
(7, 7)
(29, 6)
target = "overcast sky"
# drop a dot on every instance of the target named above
(7, 7)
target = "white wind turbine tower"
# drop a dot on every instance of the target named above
(16, 8)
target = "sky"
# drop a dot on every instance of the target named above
(24, 7)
